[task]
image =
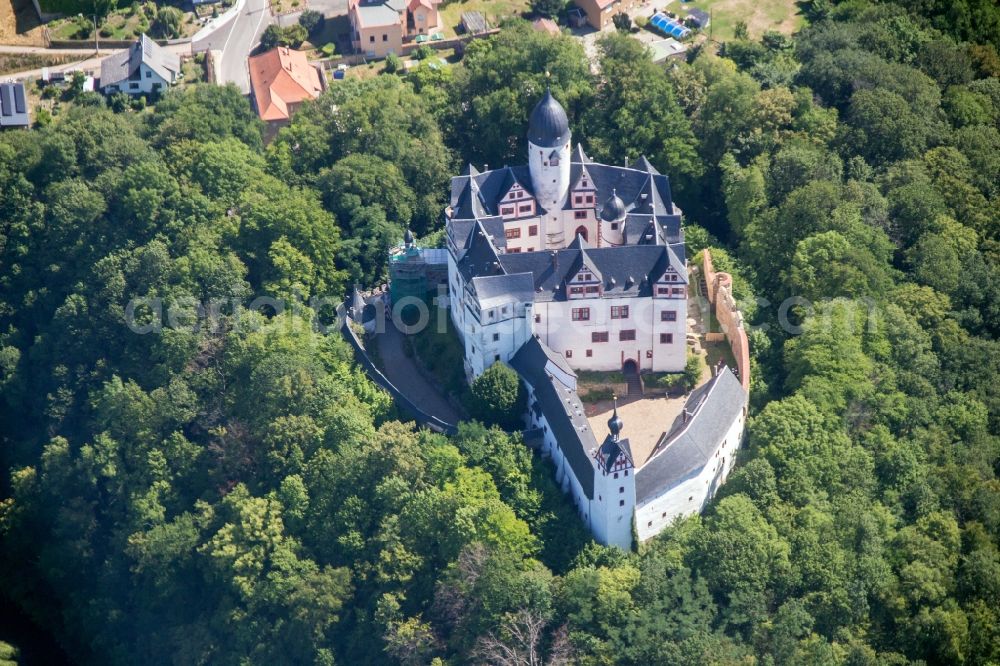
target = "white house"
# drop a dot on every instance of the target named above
(142, 69)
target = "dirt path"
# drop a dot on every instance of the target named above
(19, 24)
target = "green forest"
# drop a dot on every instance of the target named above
(233, 490)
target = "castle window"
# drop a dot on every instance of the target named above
(496, 337)
(576, 290)
(583, 314)
(626, 472)
(664, 514)
(626, 335)
(593, 290)
(663, 291)
(666, 338)
(569, 353)
(599, 336)
(668, 315)
(649, 524)
(619, 312)
(590, 198)
(496, 357)
(578, 199)
(538, 319)
(621, 489)
(649, 353)
(507, 210)
(513, 250)
(590, 353)
(616, 475)
(580, 215)
(525, 208)
(504, 309)
(614, 226)
(512, 233)
(621, 502)
(533, 230)
(678, 291)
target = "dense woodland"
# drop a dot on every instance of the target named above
(234, 491)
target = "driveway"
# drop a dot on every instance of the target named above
(236, 38)
(402, 371)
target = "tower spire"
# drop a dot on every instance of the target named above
(615, 423)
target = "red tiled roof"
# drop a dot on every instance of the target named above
(280, 78)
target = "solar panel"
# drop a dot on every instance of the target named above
(6, 102)
(19, 98)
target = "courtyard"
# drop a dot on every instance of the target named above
(648, 416)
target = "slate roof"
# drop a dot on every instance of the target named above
(480, 256)
(610, 450)
(689, 445)
(548, 125)
(124, 65)
(550, 270)
(13, 105)
(493, 290)
(562, 408)
(642, 189)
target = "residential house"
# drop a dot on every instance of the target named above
(600, 12)
(380, 27)
(281, 79)
(142, 69)
(13, 106)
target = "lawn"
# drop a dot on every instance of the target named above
(493, 10)
(760, 16)
(125, 24)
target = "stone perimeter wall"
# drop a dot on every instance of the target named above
(720, 294)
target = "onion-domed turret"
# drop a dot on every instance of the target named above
(614, 208)
(548, 126)
(615, 423)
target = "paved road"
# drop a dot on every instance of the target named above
(402, 371)
(236, 38)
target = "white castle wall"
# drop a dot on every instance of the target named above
(690, 495)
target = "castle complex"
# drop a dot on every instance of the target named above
(566, 265)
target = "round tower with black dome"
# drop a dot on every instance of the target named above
(549, 160)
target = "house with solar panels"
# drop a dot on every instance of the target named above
(13, 106)
(566, 264)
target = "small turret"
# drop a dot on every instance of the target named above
(615, 423)
(614, 208)
(408, 239)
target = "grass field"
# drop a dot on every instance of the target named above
(760, 16)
